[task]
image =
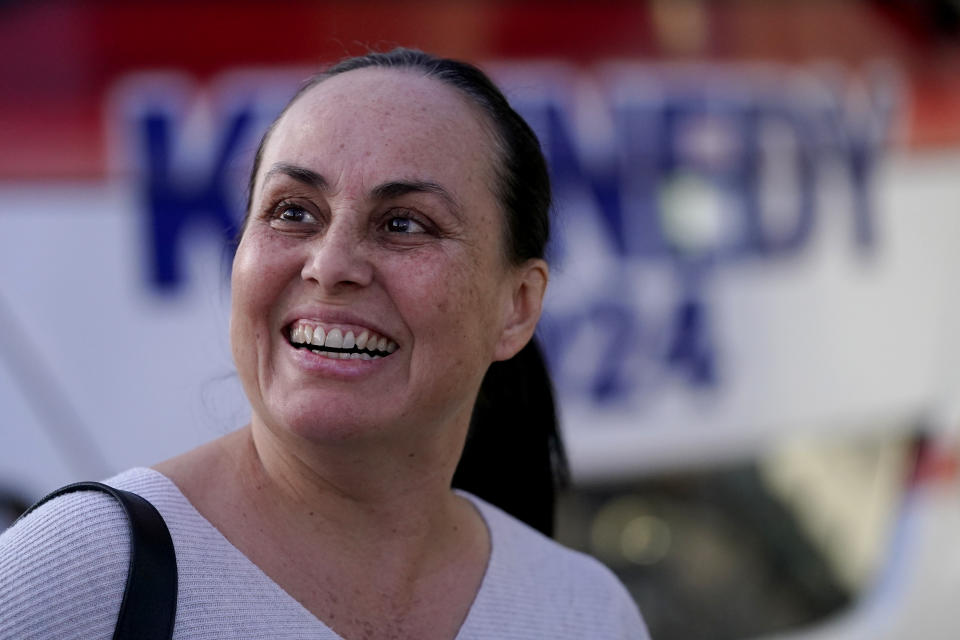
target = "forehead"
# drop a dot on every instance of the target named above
(368, 126)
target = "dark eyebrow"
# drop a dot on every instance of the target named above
(398, 188)
(385, 191)
(300, 174)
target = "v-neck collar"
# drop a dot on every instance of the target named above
(473, 613)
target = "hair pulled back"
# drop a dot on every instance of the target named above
(513, 456)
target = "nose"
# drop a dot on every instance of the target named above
(338, 260)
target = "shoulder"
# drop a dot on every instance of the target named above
(565, 593)
(63, 568)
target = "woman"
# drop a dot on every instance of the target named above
(393, 250)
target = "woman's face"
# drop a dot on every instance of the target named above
(373, 222)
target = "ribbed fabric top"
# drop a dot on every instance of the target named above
(63, 569)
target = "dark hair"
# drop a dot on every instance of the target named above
(513, 456)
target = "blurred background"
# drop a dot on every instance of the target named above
(752, 321)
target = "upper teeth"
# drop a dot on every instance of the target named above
(366, 345)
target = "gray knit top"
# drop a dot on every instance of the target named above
(63, 570)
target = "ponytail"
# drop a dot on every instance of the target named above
(514, 457)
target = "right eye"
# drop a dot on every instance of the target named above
(293, 213)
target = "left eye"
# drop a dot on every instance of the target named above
(400, 224)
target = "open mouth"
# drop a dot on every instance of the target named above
(340, 344)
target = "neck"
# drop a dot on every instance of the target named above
(360, 492)
(394, 536)
(360, 520)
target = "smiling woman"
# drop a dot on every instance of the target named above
(392, 252)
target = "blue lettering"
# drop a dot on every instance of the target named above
(615, 187)
(176, 203)
(642, 142)
(858, 131)
(794, 236)
(570, 171)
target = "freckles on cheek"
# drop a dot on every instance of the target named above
(452, 291)
(440, 287)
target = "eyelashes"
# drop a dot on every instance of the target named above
(288, 212)
(395, 221)
(404, 224)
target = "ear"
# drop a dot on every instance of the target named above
(522, 311)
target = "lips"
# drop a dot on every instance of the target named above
(339, 342)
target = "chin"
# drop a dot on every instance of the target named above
(326, 420)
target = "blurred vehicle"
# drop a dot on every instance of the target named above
(816, 540)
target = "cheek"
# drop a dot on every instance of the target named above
(241, 329)
(245, 294)
(256, 282)
(261, 269)
(455, 299)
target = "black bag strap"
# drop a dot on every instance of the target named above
(149, 605)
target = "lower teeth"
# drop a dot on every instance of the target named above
(343, 355)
